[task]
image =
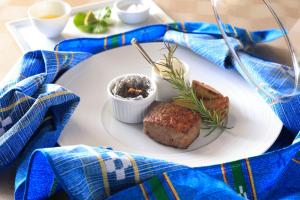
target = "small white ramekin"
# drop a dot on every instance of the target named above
(130, 110)
(165, 91)
(52, 27)
(132, 17)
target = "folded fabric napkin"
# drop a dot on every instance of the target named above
(34, 111)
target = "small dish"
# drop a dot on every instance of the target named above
(165, 91)
(132, 11)
(50, 16)
(131, 109)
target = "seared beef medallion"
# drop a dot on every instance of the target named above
(172, 125)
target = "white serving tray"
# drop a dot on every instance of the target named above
(28, 38)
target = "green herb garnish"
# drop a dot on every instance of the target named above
(187, 98)
(187, 95)
(94, 22)
(171, 48)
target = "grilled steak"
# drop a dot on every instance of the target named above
(172, 125)
(204, 91)
(219, 105)
(213, 100)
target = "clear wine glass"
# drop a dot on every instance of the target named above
(280, 64)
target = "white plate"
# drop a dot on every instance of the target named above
(28, 38)
(256, 127)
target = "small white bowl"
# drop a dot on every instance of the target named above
(130, 110)
(165, 91)
(132, 17)
(50, 16)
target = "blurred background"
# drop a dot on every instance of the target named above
(249, 14)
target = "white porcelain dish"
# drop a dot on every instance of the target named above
(57, 13)
(255, 126)
(138, 14)
(28, 38)
(130, 110)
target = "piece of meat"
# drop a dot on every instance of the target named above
(213, 100)
(172, 125)
(219, 105)
(204, 91)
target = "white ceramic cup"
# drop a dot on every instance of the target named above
(130, 110)
(165, 91)
(132, 17)
(50, 27)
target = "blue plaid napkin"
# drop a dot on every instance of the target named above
(34, 110)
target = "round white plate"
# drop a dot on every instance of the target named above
(255, 126)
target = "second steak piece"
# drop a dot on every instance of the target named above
(213, 100)
(172, 125)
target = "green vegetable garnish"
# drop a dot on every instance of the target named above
(90, 19)
(93, 22)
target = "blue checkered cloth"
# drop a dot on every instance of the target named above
(34, 110)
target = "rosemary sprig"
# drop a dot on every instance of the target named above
(187, 98)
(187, 95)
(169, 57)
